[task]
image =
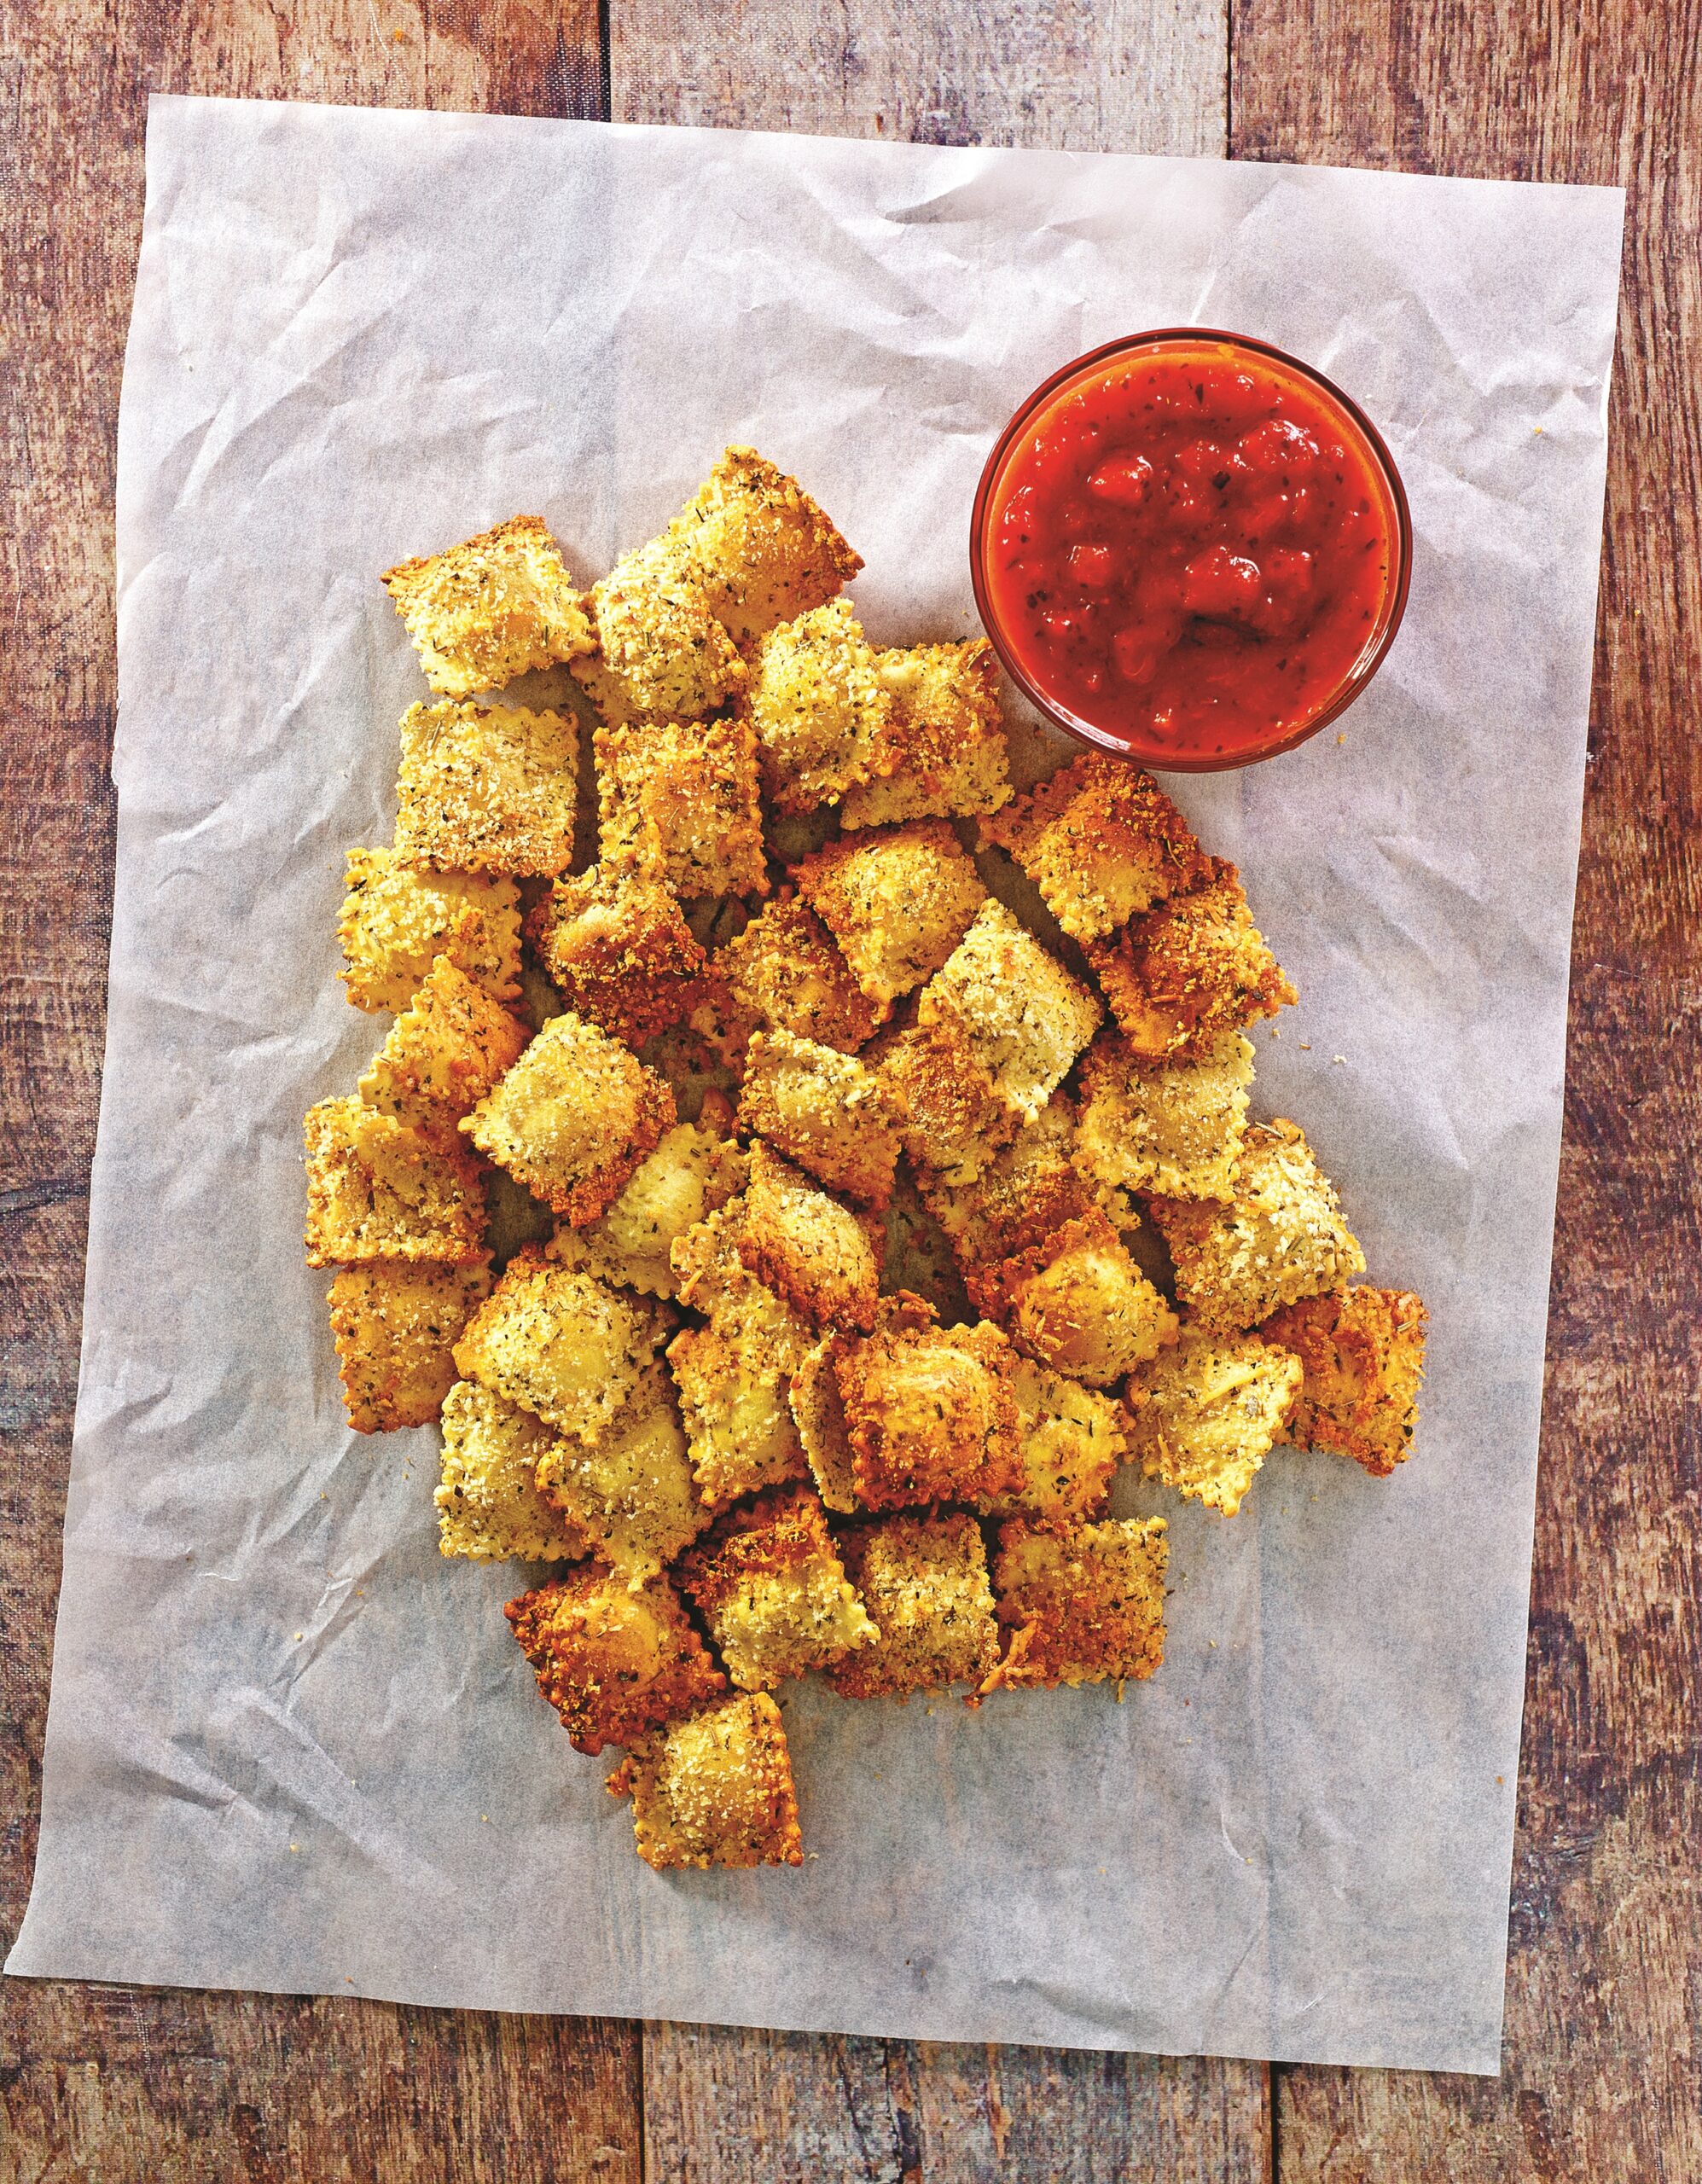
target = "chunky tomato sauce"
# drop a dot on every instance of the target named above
(1189, 550)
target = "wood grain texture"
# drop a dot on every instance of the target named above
(1603, 2059)
(104, 2083)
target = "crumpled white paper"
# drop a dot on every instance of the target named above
(289, 1746)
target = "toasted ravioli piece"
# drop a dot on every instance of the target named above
(929, 1411)
(824, 1110)
(924, 1581)
(822, 1259)
(950, 1120)
(395, 1323)
(772, 1590)
(378, 1190)
(820, 713)
(574, 1118)
(444, 1054)
(1173, 1126)
(1077, 1302)
(560, 1342)
(486, 788)
(714, 1279)
(1072, 1440)
(1026, 1191)
(1180, 975)
(761, 549)
(489, 1507)
(630, 1492)
(740, 1433)
(615, 1663)
(491, 608)
(786, 971)
(691, 1172)
(1083, 1603)
(661, 654)
(947, 733)
(615, 941)
(898, 901)
(1362, 1351)
(679, 799)
(1021, 1016)
(819, 1411)
(1101, 841)
(715, 1789)
(398, 918)
(1205, 1416)
(1280, 1237)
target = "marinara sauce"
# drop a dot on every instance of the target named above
(1191, 547)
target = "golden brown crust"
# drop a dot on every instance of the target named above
(661, 653)
(559, 1343)
(615, 941)
(1179, 976)
(740, 1433)
(1174, 1126)
(1362, 1352)
(1205, 1416)
(1024, 1193)
(630, 1491)
(819, 712)
(786, 971)
(1101, 841)
(772, 1590)
(714, 1789)
(714, 1279)
(444, 1054)
(378, 1190)
(1020, 1016)
(1083, 1603)
(1072, 1440)
(681, 800)
(395, 1323)
(615, 1663)
(822, 1109)
(761, 550)
(950, 1120)
(690, 1174)
(1280, 1237)
(821, 1258)
(486, 788)
(897, 900)
(397, 919)
(1077, 1302)
(924, 1581)
(489, 1506)
(574, 1118)
(491, 608)
(946, 733)
(929, 1412)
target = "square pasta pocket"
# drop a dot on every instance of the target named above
(630, 1491)
(715, 1789)
(924, 1581)
(760, 548)
(946, 735)
(486, 788)
(444, 1054)
(615, 1661)
(1082, 1603)
(399, 919)
(395, 1323)
(489, 1505)
(928, 1411)
(1017, 1011)
(898, 901)
(491, 608)
(773, 1592)
(1206, 1415)
(378, 1190)
(679, 799)
(559, 1342)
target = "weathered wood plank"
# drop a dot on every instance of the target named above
(116, 2084)
(1603, 2066)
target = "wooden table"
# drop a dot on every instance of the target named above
(1603, 2072)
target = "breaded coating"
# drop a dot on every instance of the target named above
(898, 901)
(398, 918)
(1101, 841)
(948, 735)
(821, 714)
(714, 1790)
(819, 1412)
(486, 788)
(443, 1055)
(1206, 1415)
(632, 1492)
(772, 1590)
(1077, 1302)
(824, 1110)
(1280, 1237)
(574, 1118)
(924, 1582)
(823, 1259)
(1083, 1603)
(395, 1323)
(378, 1190)
(714, 1279)
(614, 1663)
(950, 1120)
(786, 971)
(1175, 1127)
(929, 1411)
(1362, 1350)
(1026, 1191)
(919, 1258)
(679, 799)
(490, 609)
(1179, 976)
(691, 1172)
(560, 1342)
(740, 1433)
(1071, 1439)
(1021, 1015)
(489, 1507)
(616, 943)
(662, 654)
(758, 545)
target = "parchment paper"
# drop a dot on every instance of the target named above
(289, 1746)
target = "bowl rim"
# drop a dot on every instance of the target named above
(1370, 659)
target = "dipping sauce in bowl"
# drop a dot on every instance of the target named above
(1190, 548)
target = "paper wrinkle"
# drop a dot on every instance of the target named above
(1288, 1843)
